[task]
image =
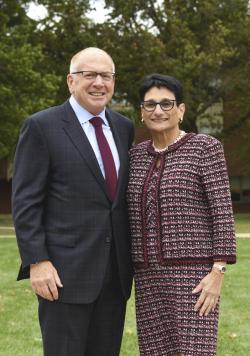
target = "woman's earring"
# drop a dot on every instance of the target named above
(180, 120)
(142, 120)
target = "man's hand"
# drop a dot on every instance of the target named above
(45, 280)
(210, 287)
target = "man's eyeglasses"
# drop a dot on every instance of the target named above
(166, 104)
(90, 75)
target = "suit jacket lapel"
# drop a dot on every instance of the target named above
(77, 135)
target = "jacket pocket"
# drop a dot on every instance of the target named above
(60, 239)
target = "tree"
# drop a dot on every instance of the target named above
(23, 89)
(204, 43)
(64, 31)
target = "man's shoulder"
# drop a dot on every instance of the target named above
(116, 116)
(49, 114)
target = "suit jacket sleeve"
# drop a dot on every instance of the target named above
(31, 168)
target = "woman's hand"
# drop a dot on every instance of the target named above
(210, 288)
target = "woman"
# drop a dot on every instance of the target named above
(181, 225)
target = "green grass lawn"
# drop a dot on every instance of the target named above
(6, 220)
(19, 330)
(242, 223)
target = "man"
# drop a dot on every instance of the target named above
(69, 209)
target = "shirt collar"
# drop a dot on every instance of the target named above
(82, 114)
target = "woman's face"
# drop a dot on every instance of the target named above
(160, 120)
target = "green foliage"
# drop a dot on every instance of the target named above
(23, 89)
(127, 111)
(62, 33)
(205, 44)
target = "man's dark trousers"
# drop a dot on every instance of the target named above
(96, 328)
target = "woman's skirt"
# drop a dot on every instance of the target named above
(166, 320)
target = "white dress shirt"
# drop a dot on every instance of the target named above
(84, 116)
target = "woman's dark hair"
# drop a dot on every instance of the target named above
(161, 81)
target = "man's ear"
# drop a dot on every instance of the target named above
(70, 82)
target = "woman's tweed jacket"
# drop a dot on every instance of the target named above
(194, 210)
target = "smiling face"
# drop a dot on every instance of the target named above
(159, 121)
(92, 94)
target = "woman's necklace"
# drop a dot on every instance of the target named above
(182, 133)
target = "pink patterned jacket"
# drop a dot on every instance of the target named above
(194, 210)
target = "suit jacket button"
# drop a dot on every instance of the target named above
(108, 239)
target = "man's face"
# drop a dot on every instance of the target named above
(92, 93)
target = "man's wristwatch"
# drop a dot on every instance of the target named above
(220, 268)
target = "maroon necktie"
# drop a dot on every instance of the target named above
(107, 157)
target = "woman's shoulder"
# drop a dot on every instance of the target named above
(204, 141)
(139, 148)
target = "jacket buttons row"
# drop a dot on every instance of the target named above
(108, 239)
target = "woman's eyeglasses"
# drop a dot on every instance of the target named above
(166, 104)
